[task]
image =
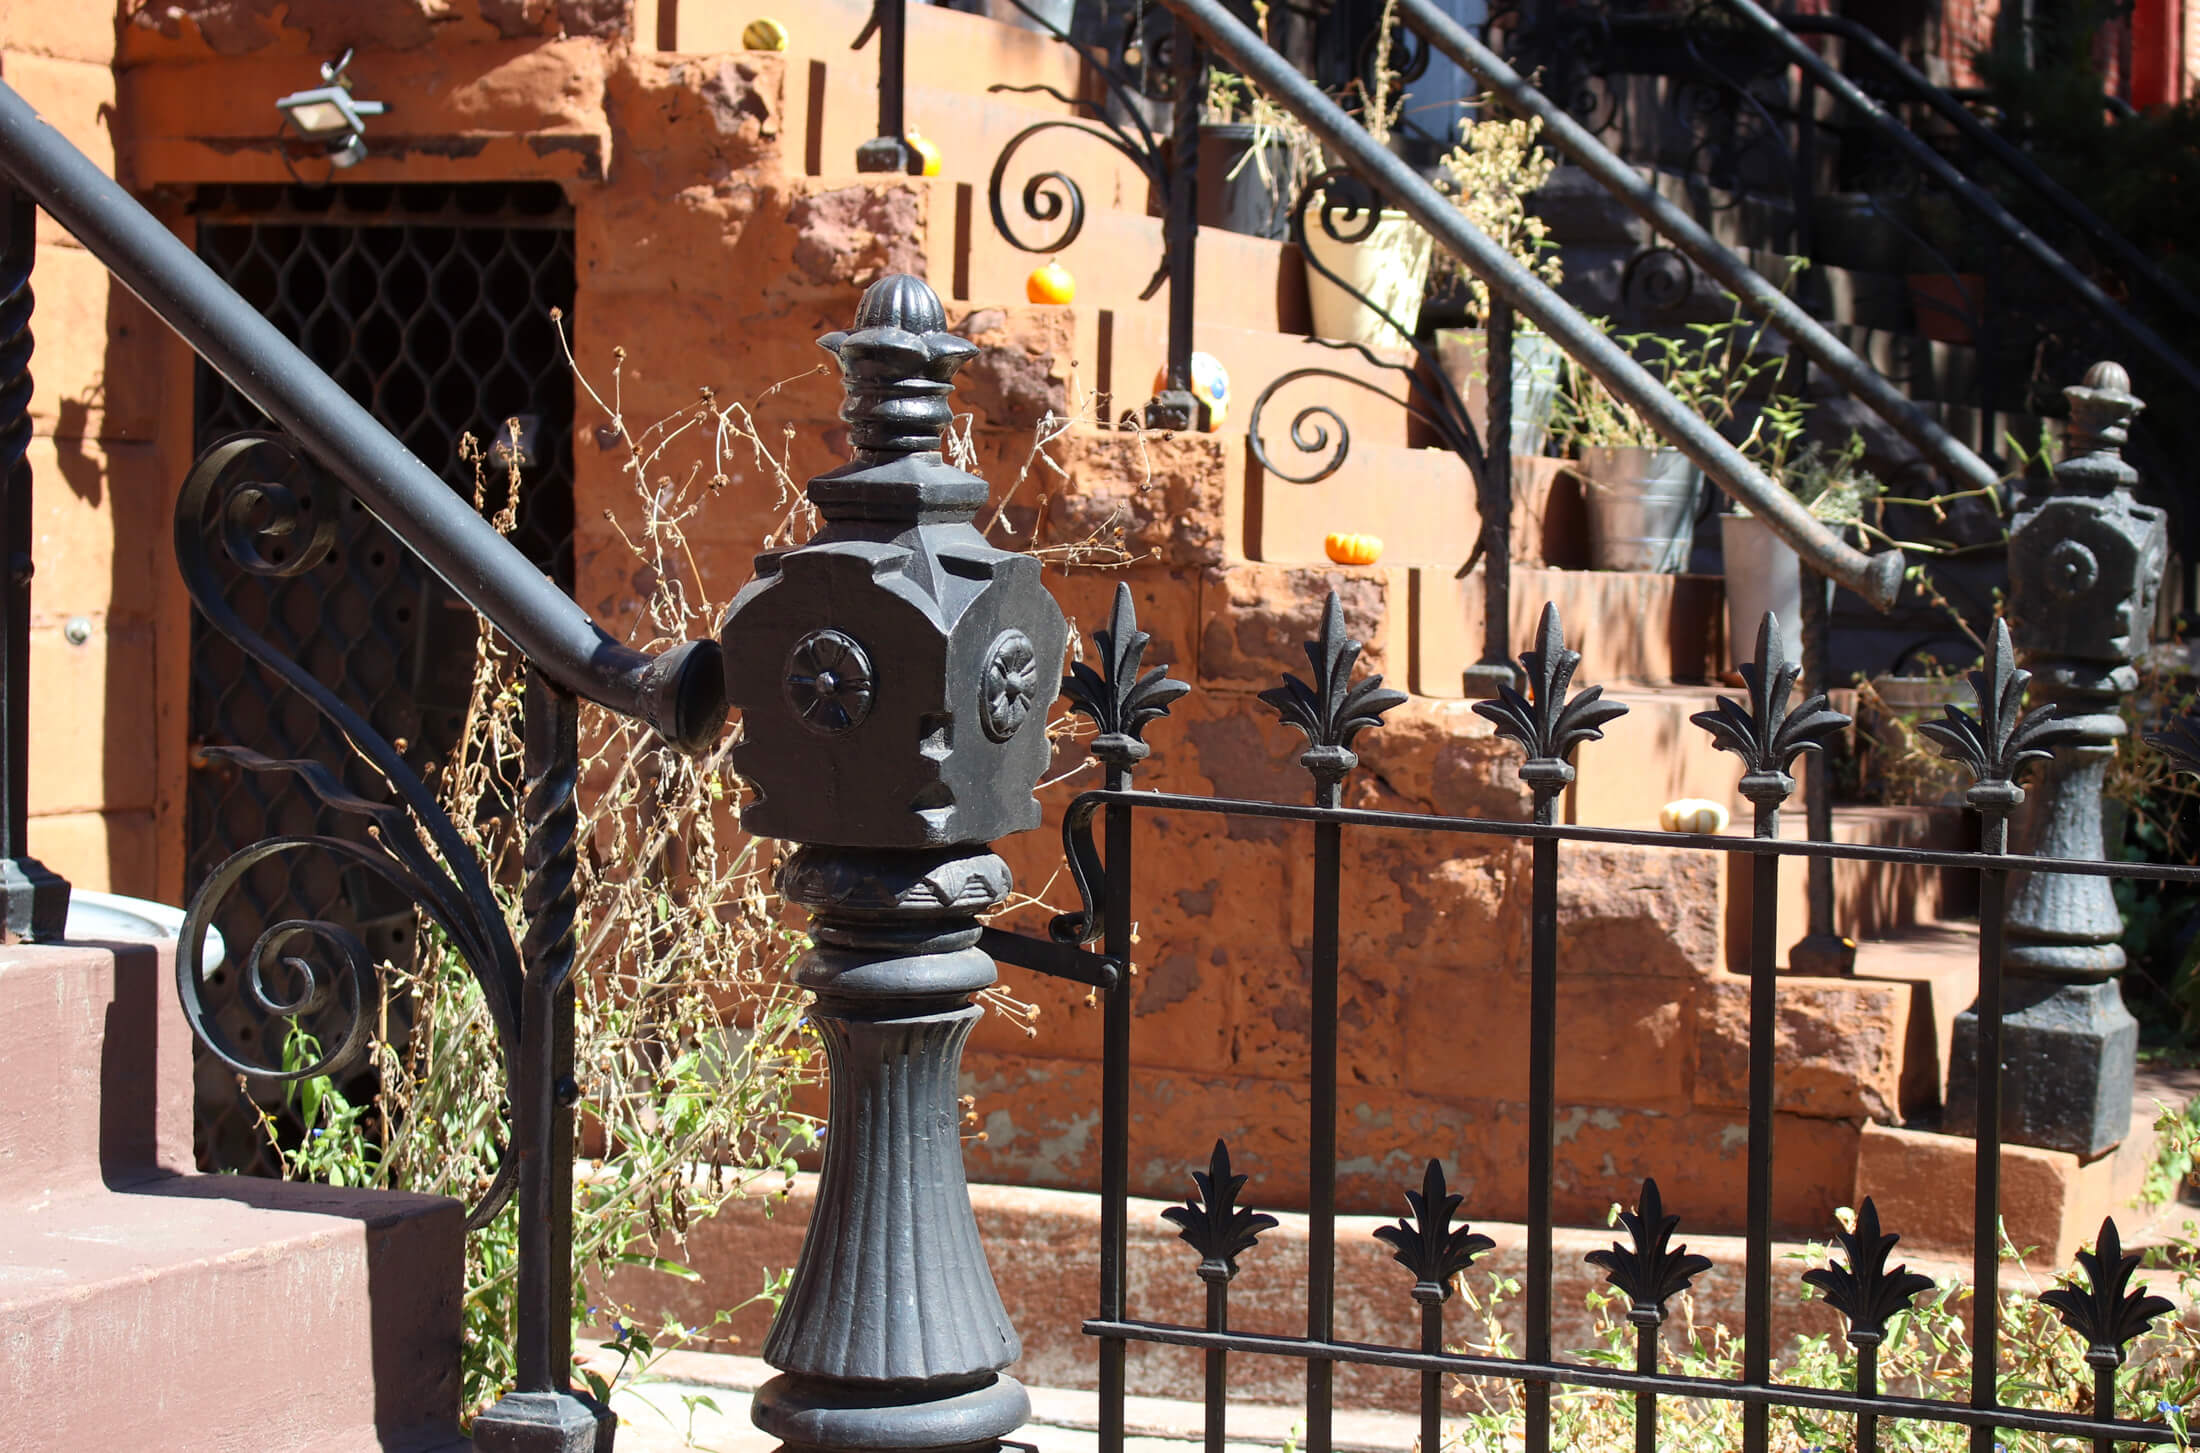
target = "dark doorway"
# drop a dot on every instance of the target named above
(431, 306)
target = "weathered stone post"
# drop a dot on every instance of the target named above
(893, 677)
(2085, 561)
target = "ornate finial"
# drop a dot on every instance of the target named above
(1119, 700)
(1864, 1291)
(1766, 735)
(1997, 743)
(897, 366)
(1335, 709)
(2101, 411)
(1547, 725)
(2106, 1313)
(1211, 1222)
(1428, 1245)
(1651, 1272)
(2179, 740)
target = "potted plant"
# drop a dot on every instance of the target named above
(1254, 157)
(1763, 572)
(1643, 495)
(1489, 177)
(1366, 267)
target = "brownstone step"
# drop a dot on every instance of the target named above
(190, 1288)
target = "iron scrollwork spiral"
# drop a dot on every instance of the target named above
(1349, 211)
(1050, 194)
(272, 512)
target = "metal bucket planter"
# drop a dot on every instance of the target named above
(1642, 507)
(1242, 174)
(1762, 573)
(1900, 767)
(1463, 354)
(1388, 267)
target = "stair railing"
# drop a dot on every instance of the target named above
(267, 501)
(1975, 198)
(1877, 578)
(889, 151)
(1957, 463)
(2128, 258)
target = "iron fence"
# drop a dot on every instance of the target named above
(1767, 729)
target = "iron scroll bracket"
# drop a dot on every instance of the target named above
(1056, 960)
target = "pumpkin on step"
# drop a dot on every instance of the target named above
(1354, 549)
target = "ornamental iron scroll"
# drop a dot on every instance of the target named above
(271, 511)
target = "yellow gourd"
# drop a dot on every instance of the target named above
(1354, 549)
(764, 34)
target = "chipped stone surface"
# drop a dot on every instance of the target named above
(853, 236)
(1259, 616)
(1839, 1046)
(1159, 499)
(1020, 376)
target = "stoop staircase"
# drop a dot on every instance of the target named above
(1228, 575)
(143, 1306)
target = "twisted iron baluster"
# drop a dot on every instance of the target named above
(34, 902)
(543, 1414)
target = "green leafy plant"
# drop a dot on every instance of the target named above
(1708, 367)
(1489, 176)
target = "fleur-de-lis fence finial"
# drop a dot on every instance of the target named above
(1117, 697)
(1212, 1223)
(1652, 1271)
(1997, 743)
(1334, 708)
(1768, 734)
(2108, 1312)
(2179, 740)
(1547, 725)
(1428, 1245)
(1864, 1290)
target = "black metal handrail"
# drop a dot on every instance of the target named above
(679, 692)
(1877, 578)
(1949, 108)
(1958, 463)
(1974, 197)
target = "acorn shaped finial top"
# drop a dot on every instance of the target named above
(898, 365)
(2101, 411)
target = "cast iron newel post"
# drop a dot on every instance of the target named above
(34, 902)
(2085, 560)
(894, 676)
(889, 151)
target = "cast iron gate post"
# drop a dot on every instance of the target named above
(894, 676)
(2085, 561)
(34, 901)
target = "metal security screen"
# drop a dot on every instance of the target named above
(431, 306)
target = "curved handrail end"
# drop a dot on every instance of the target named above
(682, 694)
(1882, 581)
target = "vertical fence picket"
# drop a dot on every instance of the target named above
(1330, 710)
(1213, 1224)
(1768, 734)
(1649, 1272)
(1436, 1252)
(1548, 727)
(1994, 746)
(1121, 699)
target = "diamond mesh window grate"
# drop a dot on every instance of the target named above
(431, 306)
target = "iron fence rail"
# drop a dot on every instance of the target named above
(1550, 721)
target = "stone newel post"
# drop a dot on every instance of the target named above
(2085, 560)
(893, 676)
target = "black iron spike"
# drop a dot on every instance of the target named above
(1769, 734)
(1334, 708)
(2108, 1313)
(1652, 1271)
(1547, 726)
(1212, 1223)
(1119, 699)
(1427, 1244)
(1995, 745)
(1864, 1290)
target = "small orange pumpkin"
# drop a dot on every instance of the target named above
(1354, 549)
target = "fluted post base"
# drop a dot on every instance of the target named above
(892, 1335)
(2070, 1047)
